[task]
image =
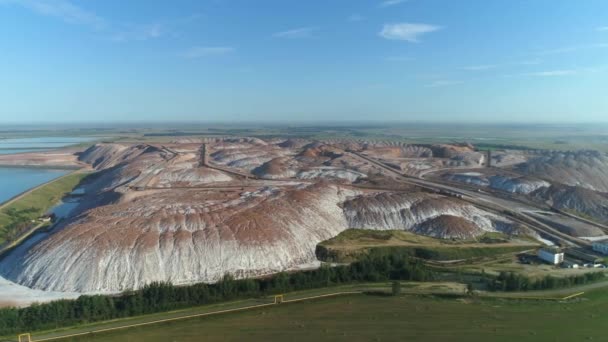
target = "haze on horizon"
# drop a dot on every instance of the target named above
(304, 61)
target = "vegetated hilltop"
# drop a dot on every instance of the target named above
(353, 244)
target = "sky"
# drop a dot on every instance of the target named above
(308, 61)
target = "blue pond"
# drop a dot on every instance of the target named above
(22, 145)
(14, 181)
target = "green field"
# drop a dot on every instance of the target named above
(16, 216)
(352, 244)
(377, 318)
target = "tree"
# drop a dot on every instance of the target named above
(163, 296)
(470, 288)
(396, 288)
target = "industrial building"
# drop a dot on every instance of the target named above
(553, 256)
(601, 246)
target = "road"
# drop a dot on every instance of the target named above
(503, 204)
(143, 183)
(517, 210)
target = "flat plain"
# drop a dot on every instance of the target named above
(403, 318)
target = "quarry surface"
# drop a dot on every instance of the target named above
(193, 210)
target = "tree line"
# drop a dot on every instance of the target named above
(509, 281)
(19, 221)
(163, 296)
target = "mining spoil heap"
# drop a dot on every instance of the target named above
(586, 169)
(253, 207)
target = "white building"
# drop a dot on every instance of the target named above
(552, 256)
(601, 246)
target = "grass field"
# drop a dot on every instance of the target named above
(377, 318)
(441, 288)
(35, 204)
(353, 243)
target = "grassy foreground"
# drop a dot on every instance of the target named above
(16, 216)
(377, 318)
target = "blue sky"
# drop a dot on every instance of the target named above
(304, 60)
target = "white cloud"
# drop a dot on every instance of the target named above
(547, 73)
(206, 51)
(480, 67)
(562, 72)
(303, 32)
(66, 11)
(356, 17)
(388, 3)
(63, 10)
(442, 83)
(139, 32)
(407, 31)
(552, 73)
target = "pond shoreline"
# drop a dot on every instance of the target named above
(41, 167)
